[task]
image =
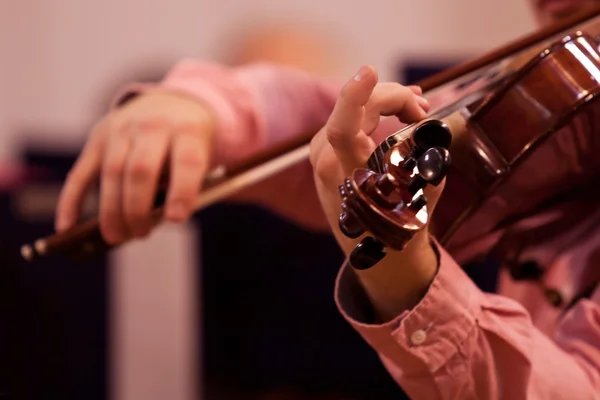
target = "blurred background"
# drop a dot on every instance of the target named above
(178, 316)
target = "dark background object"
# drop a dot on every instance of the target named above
(53, 314)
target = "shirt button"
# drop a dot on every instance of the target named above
(418, 337)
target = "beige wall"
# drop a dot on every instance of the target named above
(60, 54)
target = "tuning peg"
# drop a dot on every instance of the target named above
(432, 166)
(431, 133)
(386, 184)
(349, 225)
(367, 253)
(418, 203)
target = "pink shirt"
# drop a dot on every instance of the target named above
(458, 342)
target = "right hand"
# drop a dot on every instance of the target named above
(129, 150)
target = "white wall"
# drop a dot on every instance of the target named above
(60, 58)
(59, 55)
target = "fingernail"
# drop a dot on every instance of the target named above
(417, 90)
(362, 73)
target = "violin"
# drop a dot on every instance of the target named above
(482, 143)
(495, 112)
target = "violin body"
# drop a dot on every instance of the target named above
(509, 159)
(509, 151)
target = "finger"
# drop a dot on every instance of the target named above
(83, 173)
(390, 98)
(189, 163)
(416, 89)
(145, 162)
(344, 125)
(393, 99)
(112, 223)
(415, 110)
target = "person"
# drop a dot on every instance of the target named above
(436, 332)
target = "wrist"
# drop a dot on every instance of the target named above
(401, 279)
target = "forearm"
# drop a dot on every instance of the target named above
(458, 342)
(400, 280)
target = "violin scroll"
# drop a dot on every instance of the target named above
(391, 206)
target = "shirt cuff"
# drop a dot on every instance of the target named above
(429, 334)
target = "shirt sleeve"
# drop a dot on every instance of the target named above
(257, 106)
(462, 343)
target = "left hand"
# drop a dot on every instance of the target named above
(344, 143)
(399, 281)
